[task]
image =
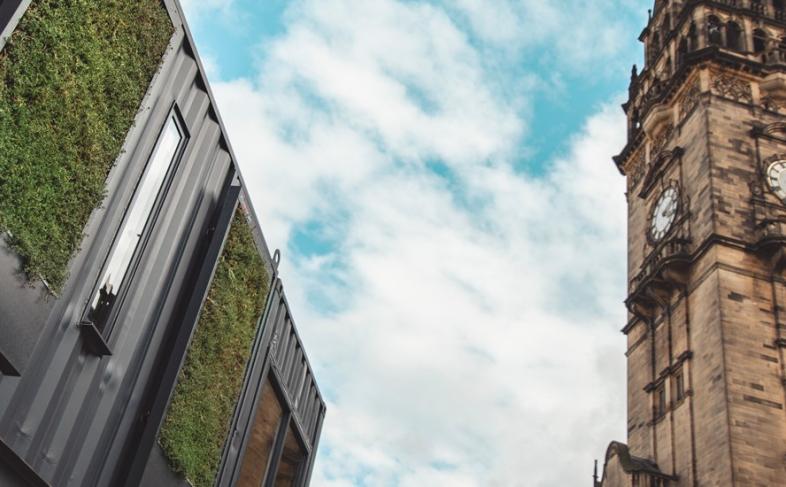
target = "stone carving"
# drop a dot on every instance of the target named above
(660, 142)
(639, 167)
(769, 103)
(656, 89)
(756, 190)
(732, 87)
(690, 99)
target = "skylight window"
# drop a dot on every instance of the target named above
(135, 220)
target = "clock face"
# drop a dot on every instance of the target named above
(776, 177)
(664, 213)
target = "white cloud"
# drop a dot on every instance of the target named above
(571, 33)
(194, 8)
(464, 322)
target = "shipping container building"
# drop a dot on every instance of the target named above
(145, 336)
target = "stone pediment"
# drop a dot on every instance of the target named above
(658, 165)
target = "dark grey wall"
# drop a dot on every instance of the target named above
(158, 473)
(70, 413)
(9, 478)
(24, 308)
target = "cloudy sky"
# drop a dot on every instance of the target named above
(438, 177)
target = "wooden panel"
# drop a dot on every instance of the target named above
(263, 435)
(292, 461)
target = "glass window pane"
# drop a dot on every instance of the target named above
(292, 460)
(263, 435)
(134, 223)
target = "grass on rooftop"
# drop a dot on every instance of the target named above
(208, 388)
(72, 78)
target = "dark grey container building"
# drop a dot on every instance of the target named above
(88, 372)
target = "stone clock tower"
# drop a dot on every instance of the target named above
(705, 164)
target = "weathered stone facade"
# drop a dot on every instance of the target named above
(707, 327)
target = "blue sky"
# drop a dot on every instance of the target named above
(438, 176)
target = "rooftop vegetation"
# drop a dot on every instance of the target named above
(208, 388)
(72, 78)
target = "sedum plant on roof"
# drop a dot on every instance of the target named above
(197, 422)
(72, 78)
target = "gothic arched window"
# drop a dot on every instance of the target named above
(666, 27)
(693, 37)
(654, 47)
(782, 49)
(682, 51)
(733, 36)
(778, 6)
(714, 34)
(757, 6)
(759, 41)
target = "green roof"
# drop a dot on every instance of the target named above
(72, 78)
(209, 385)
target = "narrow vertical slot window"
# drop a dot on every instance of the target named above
(134, 222)
(680, 386)
(660, 409)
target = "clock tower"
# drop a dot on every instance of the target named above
(705, 164)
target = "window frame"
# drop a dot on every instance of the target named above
(98, 338)
(661, 402)
(735, 36)
(273, 475)
(283, 422)
(715, 31)
(679, 385)
(286, 424)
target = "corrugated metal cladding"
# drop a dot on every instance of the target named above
(278, 355)
(74, 418)
(293, 371)
(70, 412)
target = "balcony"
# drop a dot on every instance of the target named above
(663, 271)
(770, 231)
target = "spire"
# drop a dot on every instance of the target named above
(595, 475)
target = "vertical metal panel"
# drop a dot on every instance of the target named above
(316, 435)
(24, 308)
(297, 387)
